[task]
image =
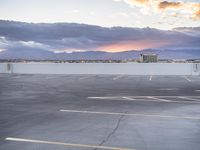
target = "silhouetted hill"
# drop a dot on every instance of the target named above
(99, 55)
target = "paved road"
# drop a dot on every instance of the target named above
(94, 112)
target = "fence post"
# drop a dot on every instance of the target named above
(9, 68)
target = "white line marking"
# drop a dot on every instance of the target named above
(187, 98)
(125, 114)
(150, 78)
(148, 99)
(169, 89)
(121, 99)
(64, 144)
(145, 96)
(117, 77)
(185, 77)
(128, 98)
(159, 99)
(197, 90)
(103, 97)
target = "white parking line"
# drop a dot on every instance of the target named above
(144, 96)
(169, 89)
(197, 90)
(64, 144)
(103, 97)
(188, 98)
(120, 99)
(185, 77)
(128, 98)
(117, 77)
(150, 78)
(126, 114)
(159, 99)
(166, 96)
(150, 99)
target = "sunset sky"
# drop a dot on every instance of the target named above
(131, 15)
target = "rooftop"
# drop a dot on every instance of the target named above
(87, 112)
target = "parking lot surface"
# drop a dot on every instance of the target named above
(95, 112)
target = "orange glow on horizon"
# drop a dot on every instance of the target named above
(133, 45)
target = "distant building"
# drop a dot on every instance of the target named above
(148, 58)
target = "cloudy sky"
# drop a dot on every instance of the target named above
(100, 25)
(132, 13)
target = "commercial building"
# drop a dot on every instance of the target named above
(148, 58)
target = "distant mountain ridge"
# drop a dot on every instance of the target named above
(100, 55)
(73, 41)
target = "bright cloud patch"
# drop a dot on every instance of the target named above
(1, 50)
(191, 9)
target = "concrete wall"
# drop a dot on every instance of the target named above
(102, 68)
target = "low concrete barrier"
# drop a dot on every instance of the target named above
(102, 68)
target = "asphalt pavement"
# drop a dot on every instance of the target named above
(99, 112)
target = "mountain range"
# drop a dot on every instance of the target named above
(72, 41)
(99, 55)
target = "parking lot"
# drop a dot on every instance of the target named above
(95, 112)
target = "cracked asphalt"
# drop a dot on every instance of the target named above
(126, 112)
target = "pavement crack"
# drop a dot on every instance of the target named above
(112, 132)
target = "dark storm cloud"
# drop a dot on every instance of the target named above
(70, 36)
